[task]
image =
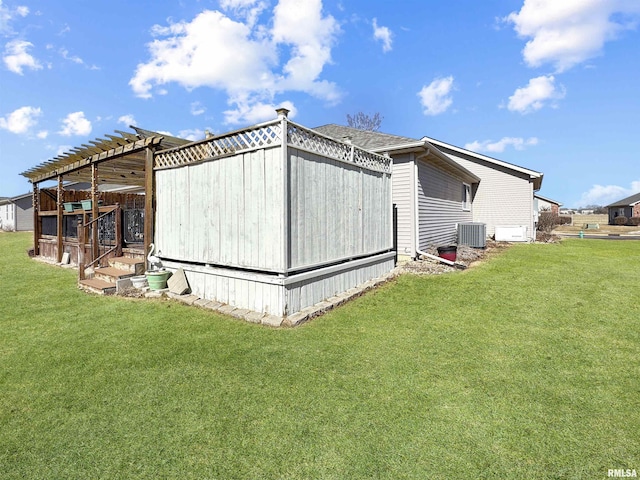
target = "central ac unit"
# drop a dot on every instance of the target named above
(472, 234)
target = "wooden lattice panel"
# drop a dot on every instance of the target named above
(270, 135)
(230, 144)
(309, 140)
(371, 161)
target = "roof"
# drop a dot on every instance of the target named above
(364, 138)
(125, 152)
(627, 202)
(536, 177)
(548, 200)
(395, 144)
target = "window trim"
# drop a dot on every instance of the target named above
(466, 197)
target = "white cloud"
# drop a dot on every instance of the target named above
(383, 34)
(127, 120)
(21, 120)
(75, 124)
(565, 33)
(267, 59)
(250, 10)
(7, 16)
(192, 134)
(197, 108)
(435, 97)
(257, 112)
(536, 94)
(16, 56)
(310, 46)
(517, 143)
(42, 134)
(606, 194)
(72, 58)
(62, 149)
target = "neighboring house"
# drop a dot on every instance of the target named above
(271, 218)
(505, 194)
(431, 192)
(16, 213)
(544, 204)
(627, 207)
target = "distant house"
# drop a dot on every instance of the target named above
(627, 207)
(505, 194)
(16, 213)
(546, 204)
(431, 192)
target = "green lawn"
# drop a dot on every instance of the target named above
(527, 366)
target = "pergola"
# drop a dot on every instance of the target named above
(123, 159)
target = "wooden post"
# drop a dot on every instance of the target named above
(286, 214)
(81, 235)
(36, 219)
(95, 212)
(60, 219)
(149, 200)
(118, 225)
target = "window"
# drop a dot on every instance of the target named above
(466, 197)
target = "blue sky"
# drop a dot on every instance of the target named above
(549, 85)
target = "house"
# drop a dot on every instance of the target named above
(504, 199)
(271, 218)
(432, 194)
(627, 207)
(16, 213)
(543, 204)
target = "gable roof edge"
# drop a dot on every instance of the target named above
(533, 175)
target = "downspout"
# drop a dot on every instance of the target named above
(416, 213)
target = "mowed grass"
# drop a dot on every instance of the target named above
(527, 366)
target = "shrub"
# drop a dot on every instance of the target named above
(621, 220)
(633, 221)
(546, 221)
(563, 220)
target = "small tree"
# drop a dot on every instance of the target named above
(362, 121)
(546, 220)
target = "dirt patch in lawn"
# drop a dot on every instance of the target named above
(466, 257)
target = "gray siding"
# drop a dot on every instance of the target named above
(439, 206)
(337, 210)
(24, 214)
(503, 197)
(403, 188)
(227, 211)
(236, 211)
(277, 295)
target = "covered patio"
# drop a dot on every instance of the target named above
(112, 215)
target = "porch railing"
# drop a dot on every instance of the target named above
(105, 233)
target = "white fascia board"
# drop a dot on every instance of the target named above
(531, 173)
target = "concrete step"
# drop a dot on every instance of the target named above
(134, 265)
(98, 286)
(112, 274)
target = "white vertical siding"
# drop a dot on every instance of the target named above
(226, 211)
(307, 292)
(439, 206)
(281, 296)
(403, 187)
(337, 210)
(503, 197)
